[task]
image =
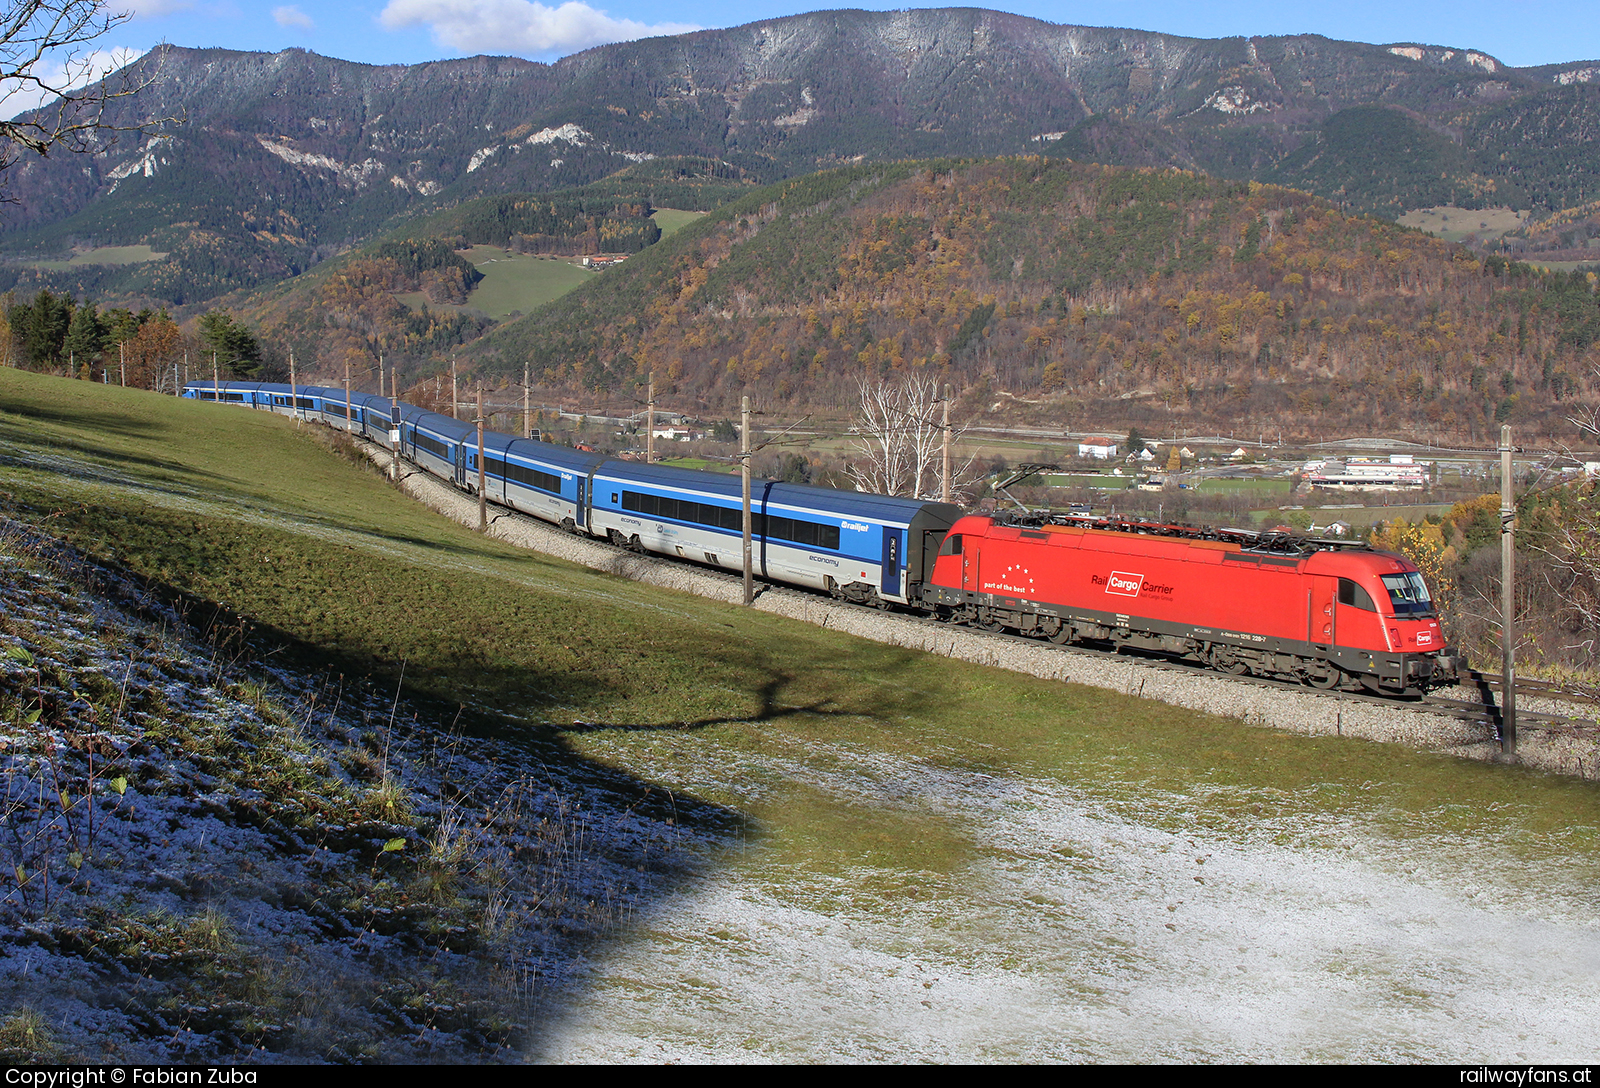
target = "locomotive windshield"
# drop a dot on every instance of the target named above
(1409, 594)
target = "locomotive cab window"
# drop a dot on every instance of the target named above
(951, 545)
(1353, 595)
(1408, 593)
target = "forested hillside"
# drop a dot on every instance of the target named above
(1110, 295)
(346, 309)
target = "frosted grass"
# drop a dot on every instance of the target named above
(1077, 933)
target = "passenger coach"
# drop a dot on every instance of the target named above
(872, 549)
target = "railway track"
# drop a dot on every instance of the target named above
(1483, 709)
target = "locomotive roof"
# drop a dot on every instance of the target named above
(1274, 542)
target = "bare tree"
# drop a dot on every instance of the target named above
(899, 439)
(1586, 417)
(46, 57)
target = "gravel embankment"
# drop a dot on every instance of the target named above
(1564, 750)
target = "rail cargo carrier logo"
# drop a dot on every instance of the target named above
(1120, 582)
(1124, 584)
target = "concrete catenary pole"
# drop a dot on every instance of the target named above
(650, 424)
(294, 388)
(122, 363)
(944, 490)
(527, 404)
(349, 416)
(1508, 560)
(394, 415)
(453, 388)
(216, 379)
(483, 493)
(744, 474)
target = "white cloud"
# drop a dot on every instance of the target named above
(68, 75)
(291, 15)
(151, 8)
(518, 26)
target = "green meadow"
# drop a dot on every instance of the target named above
(102, 255)
(832, 748)
(246, 507)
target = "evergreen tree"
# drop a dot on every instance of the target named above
(41, 325)
(235, 345)
(85, 335)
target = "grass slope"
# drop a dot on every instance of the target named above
(245, 508)
(778, 721)
(672, 219)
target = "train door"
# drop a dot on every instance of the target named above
(583, 495)
(891, 561)
(1356, 619)
(1321, 602)
(932, 541)
(461, 464)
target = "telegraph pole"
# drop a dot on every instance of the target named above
(1508, 559)
(944, 491)
(650, 425)
(483, 496)
(744, 473)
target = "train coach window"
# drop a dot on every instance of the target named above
(813, 534)
(773, 527)
(1353, 595)
(1408, 593)
(951, 545)
(700, 513)
(530, 477)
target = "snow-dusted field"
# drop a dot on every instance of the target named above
(1076, 933)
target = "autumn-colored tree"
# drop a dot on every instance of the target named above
(152, 351)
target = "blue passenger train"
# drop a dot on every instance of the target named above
(871, 549)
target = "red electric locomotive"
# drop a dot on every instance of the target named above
(1330, 614)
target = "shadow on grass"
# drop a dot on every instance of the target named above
(602, 850)
(32, 446)
(126, 424)
(770, 710)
